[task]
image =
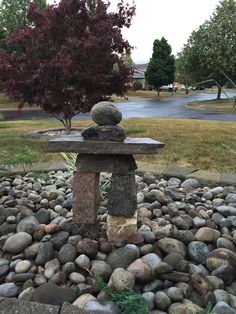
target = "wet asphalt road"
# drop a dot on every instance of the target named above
(147, 108)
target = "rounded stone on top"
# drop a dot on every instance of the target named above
(105, 113)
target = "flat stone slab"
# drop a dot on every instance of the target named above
(13, 306)
(228, 179)
(205, 176)
(179, 172)
(76, 144)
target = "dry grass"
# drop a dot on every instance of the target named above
(187, 142)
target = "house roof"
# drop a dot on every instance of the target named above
(141, 66)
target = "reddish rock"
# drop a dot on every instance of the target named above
(105, 247)
(88, 247)
(136, 238)
(52, 228)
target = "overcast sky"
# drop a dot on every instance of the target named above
(173, 19)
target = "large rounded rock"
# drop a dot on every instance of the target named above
(28, 225)
(169, 245)
(105, 113)
(8, 290)
(101, 269)
(67, 253)
(141, 270)
(123, 257)
(220, 257)
(88, 247)
(122, 279)
(106, 307)
(18, 242)
(198, 251)
(114, 133)
(206, 234)
(186, 308)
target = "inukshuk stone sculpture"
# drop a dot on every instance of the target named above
(122, 200)
(105, 148)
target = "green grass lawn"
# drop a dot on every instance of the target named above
(187, 142)
(214, 105)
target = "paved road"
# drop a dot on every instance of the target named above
(146, 108)
(172, 108)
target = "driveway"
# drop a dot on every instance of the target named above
(145, 108)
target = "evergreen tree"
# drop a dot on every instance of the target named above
(161, 68)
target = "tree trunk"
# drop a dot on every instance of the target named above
(186, 89)
(158, 91)
(67, 125)
(219, 92)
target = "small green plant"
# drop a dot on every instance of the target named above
(24, 157)
(129, 301)
(207, 310)
(104, 186)
(70, 159)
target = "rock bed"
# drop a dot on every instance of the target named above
(182, 257)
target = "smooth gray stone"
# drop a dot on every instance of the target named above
(18, 242)
(105, 113)
(115, 133)
(45, 254)
(8, 290)
(28, 225)
(12, 306)
(198, 251)
(122, 257)
(102, 307)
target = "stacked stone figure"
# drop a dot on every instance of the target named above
(122, 200)
(107, 117)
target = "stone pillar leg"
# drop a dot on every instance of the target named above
(86, 197)
(122, 198)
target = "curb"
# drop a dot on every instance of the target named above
(183, 173)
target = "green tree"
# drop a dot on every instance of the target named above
(211, 50)
(161, 67)
(181, 74)
(13, 15)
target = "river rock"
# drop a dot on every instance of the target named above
(101, 269)
(123, 257)
(122, 279)
(88, 247)
(45, 254)
(162, 301)
(141, 270)
(220, 257)
(102, 307)
(105, 113)
(22, 267)
(67, 253)
(169, 245)
(206, 234)
(198, 251)
(8, 290)
(18, 242)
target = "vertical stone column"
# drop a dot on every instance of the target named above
(122, 199)
(86, 197)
